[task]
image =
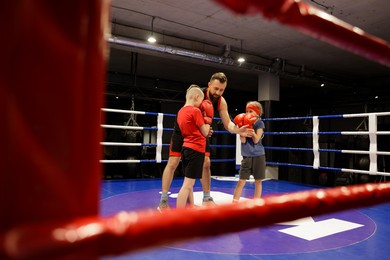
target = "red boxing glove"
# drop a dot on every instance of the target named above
(239, 119)
(250, 119)
(207, 109)
(207, 120)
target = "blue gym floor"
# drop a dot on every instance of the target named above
(354, 234)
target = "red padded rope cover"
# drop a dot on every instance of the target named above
(318, 24)
(130, 231)
(52, 74)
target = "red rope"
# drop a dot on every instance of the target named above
(131, 231)
(318, 24)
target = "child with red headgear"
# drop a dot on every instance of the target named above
(252, 150)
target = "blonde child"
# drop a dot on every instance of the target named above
(194, 126)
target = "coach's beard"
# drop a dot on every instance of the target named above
(212, 98)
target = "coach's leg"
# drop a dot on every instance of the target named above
(206, 182)
(167, 177)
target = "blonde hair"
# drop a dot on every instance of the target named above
(192, 91)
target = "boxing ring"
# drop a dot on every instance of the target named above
(347, 228)
(58, 197)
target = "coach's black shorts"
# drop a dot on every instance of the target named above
(176, 143)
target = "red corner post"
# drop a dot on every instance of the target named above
(52, 71)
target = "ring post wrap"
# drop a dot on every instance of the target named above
(50, 164)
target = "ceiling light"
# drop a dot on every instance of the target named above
(151, 38)
(241, 59)
(322, 84)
